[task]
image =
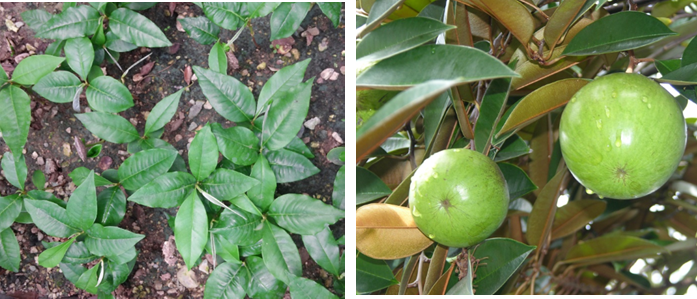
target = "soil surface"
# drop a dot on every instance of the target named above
(51, 149)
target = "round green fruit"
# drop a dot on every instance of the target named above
(458, 197)
(622, 136)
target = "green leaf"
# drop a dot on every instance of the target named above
(51, 257)
(372, 275)
(134, 28)
(3, 77)
(667, 66)
(226, 184)
(434, 62)
(217, 60)
(129, 255)
(576, 215)
(110, 241)
(224, 248)
(239, 227)
(227, 95)
(297, 145)
(228, 15)
(512, 148)
(78, 175)
(99, 38)
(58, 86)
(43, 195)
(517, 180)
(378, 11)
(689, 56)
(286, 18)
(82, 206)
(285, 117)
(324, 250)
(686, 75)
(339, 191)
(611, 248)
(35, 18)
(262, 194)
(238, 144)
(10, 207)
(79, 54)
(115, 43)
(145, 166)
(151, 143)
(504, 257)
(201, 29)
(9, 250)
(261, 9)
(332, 10)
(290, 166)
(111, 206)
(16, 117)
(280, 253)
(95, 72)
(228, 280)
(304, 288)
(397, 37)
(107, 94)
(55, 48)
(262, 284)
(49, 217)
(203, 154)
(15, 169)
(72, 271)
(78, 254)
(110, 127)
(38, 179)
(35, 67)
(137, 5)
(369, 186)
(162, 113)
(561, 20)
(72, 22)
(542, 215)
(191, 229)
(280, 83)
(88, 279)
(610, 34)
(166, 191)
(490, 112)
(303, 215)
(94, 151)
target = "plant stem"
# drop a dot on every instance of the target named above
(406, 274)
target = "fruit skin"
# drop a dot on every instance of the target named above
(458, 197)
(622, 136)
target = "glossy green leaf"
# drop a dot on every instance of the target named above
(129, 255)
(145, 166)
(397, 37)
(43, 195)
(304, 288)
(217, 60)
(286, 18)
(280, 83)
(203, 153)
(238, 144)
(72, 271)
(262, 194)
(3, 77)
(82, 205)
(79, 54)
(38, 179)
(540, 102)
(686, 75)
(98, 39)
(107, 94)
(228, 15)
(201, 29)
(115, 43)
(517, 180)
(297, 145)
(72, 22)
(88, 280)
(239, 227)
(512, 148)
(35, 67)
(324, 250)
(280, 253)
(78, 175)
(227, 95)
(667, 66)
(110, 127)
(301, 214)
(434, 62)
(226, 184)
(150, 143)
(560, 21)
(95, 72)
(78, 254)
(689, 56)
(191, 229)
(166, 191)
(49, 217)
(369, 186)
(16, 117)
(94, 151)
(262, 284)
(224, 248)
(332, 10)
(58, 86)
(10, 207)
(162, 113)
(111, 206)
(261, 9)
(35, 18)
(228, 280)
(136, 29)
(51, 257)
(576, 215)
(290, 166)
(9, 250)
(15, 168)
(504, 257)
(378, 12)
(286, 116)
(339, 190)
(137, 5)
(610, 34)
(110, 241)
(542, 215)
(490, 112)
(611, 248)
(372, 275)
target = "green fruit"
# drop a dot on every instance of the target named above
(622, 136)
(458, 197)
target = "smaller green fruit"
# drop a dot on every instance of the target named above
(458, 197)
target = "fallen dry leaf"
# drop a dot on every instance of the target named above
(187, 278)
(105, 162)
(283, 45)
(232, 61)
(187, 74)
(172, 7)
(144, 70)
(174, 48)
(179, 25)
(80, 148)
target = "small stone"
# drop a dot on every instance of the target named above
(34, 155)
(320, 81)
(296, 54)
(203, 267)
(40, 161)
(245, 73)
(105, 162)
(192, 126)
(32, 268)
(312, 123)
(68, 130)
(327, 73)
(45, 143)
(314, 144)
(122, 153)
(50, 167)
(133, 121)
(178, 137)
(195, 109)
(337, 137)
(30, 47)
(33, 249)
(66, 150)
(39, 236)
(11, 25)
(334, 76)
(261, 66)
(20, 57)
(158, 285)
(179, 25)
(343, 70)
(165, 277)
(323, 45)
(187, 278)
(207, 105)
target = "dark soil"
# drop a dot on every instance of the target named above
(50, 146)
